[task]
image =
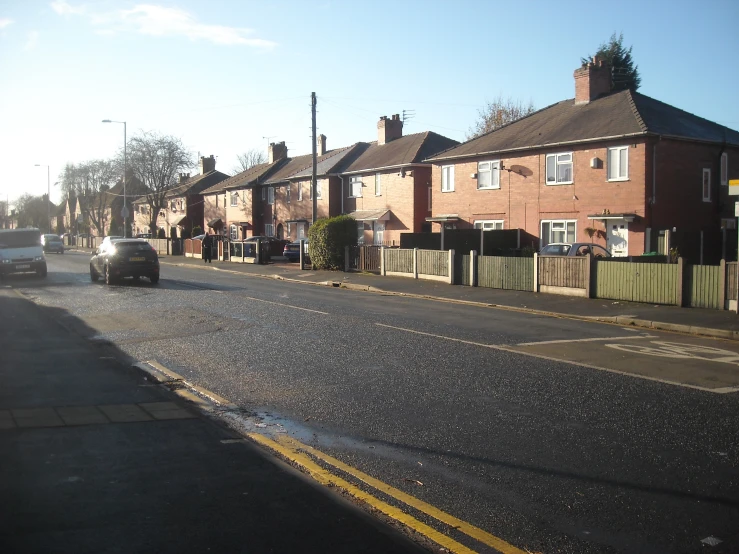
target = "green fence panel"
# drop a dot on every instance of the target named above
(703, 286)
(497, 272)
(731, 284)
(433, 262)
(635, 282)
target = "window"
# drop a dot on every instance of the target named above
(378, 190)
(557, 231)
(269, 230)
(233, 232)
(488, 175)
(559, 169)
(618, 163)
(318, 189)
(706, 184)
(234, 199)
(173, 206)
(300, 192)
(489, 224)
(447, 178)
(287, 194)
(264, 193)
(430, 196)
(289, 229)
(270, 196)
(360, 232)
(355, 187)
(724, 173)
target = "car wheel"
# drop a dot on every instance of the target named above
(41, 272)
(109, 279)
(93, 274)
(154, 279)
(61, 251)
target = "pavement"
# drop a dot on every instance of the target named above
(97, 459)
(697, 321)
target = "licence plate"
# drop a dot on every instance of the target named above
(136, 259)
(23, 266)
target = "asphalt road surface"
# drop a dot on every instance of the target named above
(553, 435)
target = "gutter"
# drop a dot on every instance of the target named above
(399, 166)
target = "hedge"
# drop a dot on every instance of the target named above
(327, 239)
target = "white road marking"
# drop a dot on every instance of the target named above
(682, 351)
(285, 305)
(495, 346)
(585, 340)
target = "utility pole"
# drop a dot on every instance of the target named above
(313, 176)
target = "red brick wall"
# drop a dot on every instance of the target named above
(210, 211)
(524, 199)
(327, 205)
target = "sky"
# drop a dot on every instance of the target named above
(229, 76)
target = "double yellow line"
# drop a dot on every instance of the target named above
(305, 456)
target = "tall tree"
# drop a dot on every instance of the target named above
(249, 159)
(498, 112)
(31, 211)
(90, 182)
(157, 160)
(625, 73)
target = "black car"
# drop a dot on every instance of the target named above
(121, 258)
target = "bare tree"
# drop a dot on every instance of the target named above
(156, 161)
(498, 112)
(32, 211)
(90, 183)
(249, 159)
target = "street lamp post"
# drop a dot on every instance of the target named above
(124, 212)
(48, 195)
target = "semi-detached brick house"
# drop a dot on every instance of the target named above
(622, 167)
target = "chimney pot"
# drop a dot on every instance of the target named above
(389, 129)
(277, 151)
(592, 81)
(207, 164)
(321, 145)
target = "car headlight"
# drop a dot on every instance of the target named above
(112, 251)
(4, 261)
(38, 258)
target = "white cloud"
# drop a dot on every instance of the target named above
(31, 40)
(4, 22)
(160, 21)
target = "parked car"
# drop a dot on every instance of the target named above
(292, 251)
(574, 249)
(52, 243)
(119, 258)
(274, 245)
(143, 236)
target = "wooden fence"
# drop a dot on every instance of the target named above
(564, 275)
(419, 264)
(637, 282)
(364, 258)
(505, 273)
(704, 286)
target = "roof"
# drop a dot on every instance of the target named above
(371, 215)
(244, 179)
(196, 184)
(410, 149)
(302, 166)
(623, 113)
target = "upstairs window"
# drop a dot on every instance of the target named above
(234, 199)
(300, 192)
(264, 194)
(488, 175)
(706, 184)
(355, 187)
(618, 163)
(559, 169)
(270, 196)
(447, 178)
(287, 193)
(378, 190)
(318, 189)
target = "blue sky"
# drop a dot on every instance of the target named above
(222, 75)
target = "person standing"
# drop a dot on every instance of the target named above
(207, 248)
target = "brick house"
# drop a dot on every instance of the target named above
(620, 169)
(387, 187)
(184, 202)
(229, 206)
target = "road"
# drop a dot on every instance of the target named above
(552, 435)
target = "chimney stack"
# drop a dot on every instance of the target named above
(207, 164)
(592, 81)
(389, 129)
(184, 177)
(321, 145)
(277, 151)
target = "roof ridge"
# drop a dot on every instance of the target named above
(635, 111)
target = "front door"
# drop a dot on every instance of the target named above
(618, 237)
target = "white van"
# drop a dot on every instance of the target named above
(21, 252)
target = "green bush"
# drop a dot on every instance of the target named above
(197, 230)
(161, 234)
(327, 239)
(185, 234)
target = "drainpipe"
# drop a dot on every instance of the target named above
(342, 193)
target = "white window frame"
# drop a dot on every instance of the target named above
(619, 151)
(492, 168)
(264, 194)
(300, 191)
(559, 226)
(355, 187)
(724, 169)
(289, 229)
(378, 185)
(287, 193)
(319, 190)
(706, 184)
(233, 232)
(360, 233)
(489, 224)
(269, 229)
(234, 199)
(557, 164)
(270, 196)
(447, 178)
